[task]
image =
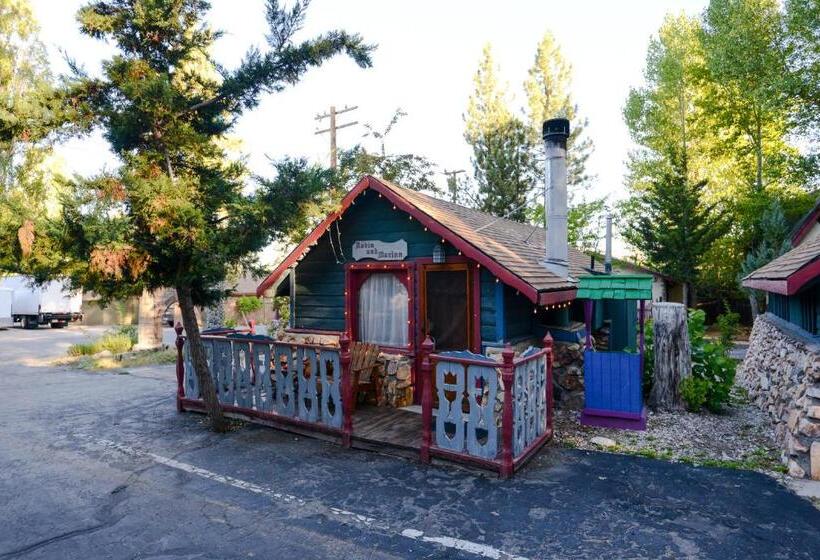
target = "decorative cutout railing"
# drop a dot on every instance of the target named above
(464, 382)
(263, 378)
(467, 419)
(532, 393)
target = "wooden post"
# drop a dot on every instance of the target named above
(588, 322)
(347, 389)
(180, 342)
(427, 348)
(507, 374)
(641, 315)
(549, 345)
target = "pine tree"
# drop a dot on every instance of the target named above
(176, 214)
(548, 90)
(671, 227)
(503, 165)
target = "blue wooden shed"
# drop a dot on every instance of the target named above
(613, 377)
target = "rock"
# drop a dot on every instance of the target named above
(814, 412)
(104, 354)
(603, 442)
(795, 445)
(794, 416)
(813, 392)
(809, 428)
(795, 470)
(814, 460)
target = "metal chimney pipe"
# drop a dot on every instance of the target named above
(555, 134)
(608, 254)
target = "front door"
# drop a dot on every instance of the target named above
(445, 312)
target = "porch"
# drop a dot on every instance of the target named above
(306, 389)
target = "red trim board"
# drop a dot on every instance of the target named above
(432, 225)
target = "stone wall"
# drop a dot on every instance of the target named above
(781, 371)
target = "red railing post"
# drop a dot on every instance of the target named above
(180, 342)
(548, 344)
(507, 374)
(347, 389)
(427, 348)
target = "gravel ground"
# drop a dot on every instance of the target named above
(741, 437)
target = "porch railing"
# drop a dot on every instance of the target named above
(469, 424)
(280, 381)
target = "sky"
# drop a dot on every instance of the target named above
(427, 53)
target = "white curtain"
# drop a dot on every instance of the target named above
(383, 310)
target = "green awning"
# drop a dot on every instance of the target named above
(615, 286)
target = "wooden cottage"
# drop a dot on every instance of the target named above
(404, 303)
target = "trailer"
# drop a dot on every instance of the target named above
(47, 304)
(6, 296)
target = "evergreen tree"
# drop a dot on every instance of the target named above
(503, 165)
(671, 227)
(176, 214)
(773, 243)
(29, 177)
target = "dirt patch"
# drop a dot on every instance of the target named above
(742, 437)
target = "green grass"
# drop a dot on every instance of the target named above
(117, 341)
(125, 361)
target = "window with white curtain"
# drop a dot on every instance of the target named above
(383, 310)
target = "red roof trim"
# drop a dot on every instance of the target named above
(806, 225)
(787, 286)
(372, 183)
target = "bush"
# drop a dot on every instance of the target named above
(713, 371)
(693, 391)
(83, 349)
(114, 343)
(728, 324)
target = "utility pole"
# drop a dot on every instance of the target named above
(333, 128)
(452, 183)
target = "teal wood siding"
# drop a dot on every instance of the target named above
(320, 287)
(518, 315)
(320, 278)
(623, 329)
(491, 330)
(802, 309)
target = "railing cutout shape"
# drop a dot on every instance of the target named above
(255, 374)
(474, 380)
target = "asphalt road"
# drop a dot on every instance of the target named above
(102, 466)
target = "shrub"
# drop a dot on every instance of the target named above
(712, 367)
(114, 343)
(128, 330)
(693, 391)
(713, 371)
(728, 324)
(82, 349)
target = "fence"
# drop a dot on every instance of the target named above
(470, 392)
(258, 377)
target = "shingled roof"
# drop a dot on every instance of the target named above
(788, 273)
(512, 251)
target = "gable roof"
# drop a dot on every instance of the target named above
(805, 225)
(789, 272)
(512, 251)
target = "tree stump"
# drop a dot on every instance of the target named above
(673, 355)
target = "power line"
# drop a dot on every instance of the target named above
(333, 128)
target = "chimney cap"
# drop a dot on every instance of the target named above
(556, 129)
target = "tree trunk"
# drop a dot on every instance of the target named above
(200, 361)
(149, 326)
(753, 304)
(673, 359)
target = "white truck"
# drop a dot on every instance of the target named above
(48, 304)
(6, 296)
